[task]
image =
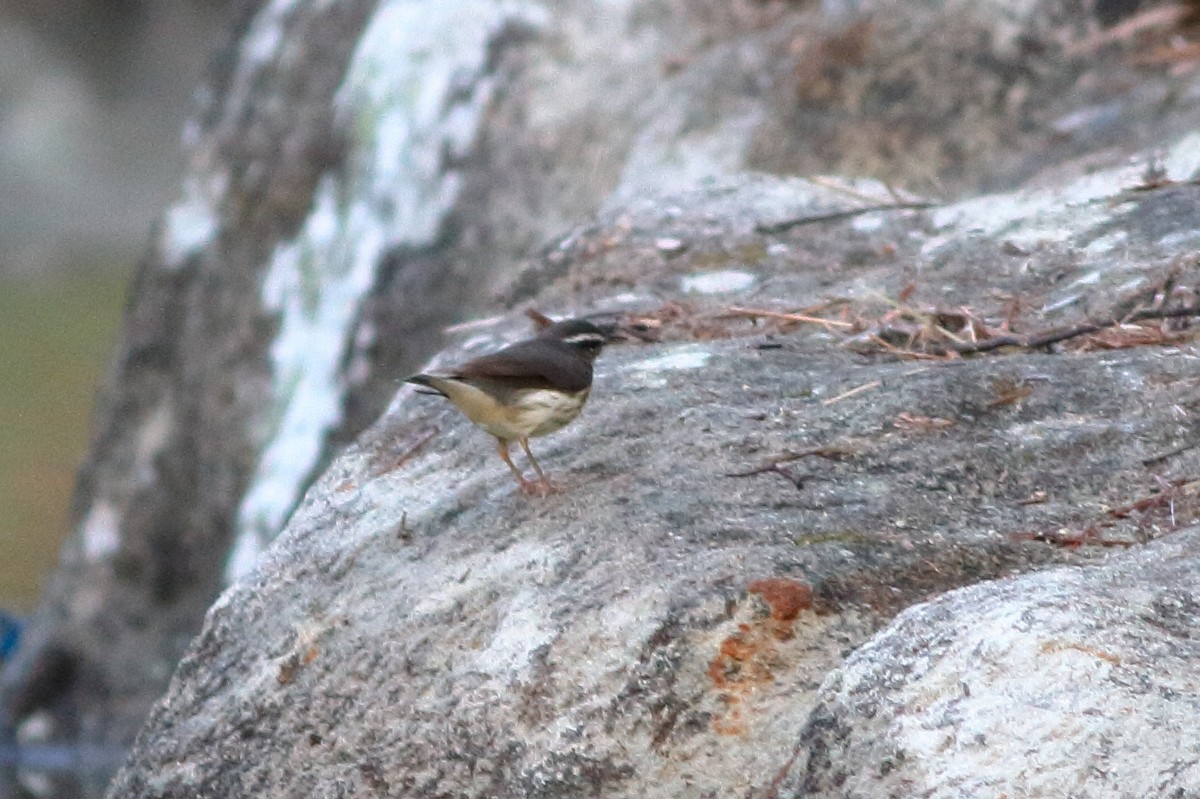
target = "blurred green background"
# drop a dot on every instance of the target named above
(93, 96)
(57, 334)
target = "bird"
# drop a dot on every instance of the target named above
(528, 389)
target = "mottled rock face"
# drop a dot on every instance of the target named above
(1083, 677)
(749, 498)
(422, 630)
(359, 174)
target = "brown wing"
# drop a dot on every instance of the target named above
(537, 363)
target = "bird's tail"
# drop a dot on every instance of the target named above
(428, 385)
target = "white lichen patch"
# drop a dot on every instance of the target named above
(520, 563)
(247, 546)
(415, 90)
(1005, 703)
(1182, 161)
(1073, 428)
(685, 358)
(265, 34)
(867, 223)
(261, 44)
(675, 153)
(1031, 217)
(192, 223)
(101, 531)
(651, 372)
(317, 296)
(525, 627)
(151, 439)
(1180, 240)
(620, 633)
(1046, 680)
(1107, 244)
(725, 281)
(1035, 216)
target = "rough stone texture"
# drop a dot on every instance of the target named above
(308, 124)
(167, 465)
(391, 164)
(953, 96)
(1079, 682)
(662, 629)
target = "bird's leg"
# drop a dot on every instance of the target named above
(528, 486)
(547, 485)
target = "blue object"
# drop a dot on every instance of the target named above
(10, 634)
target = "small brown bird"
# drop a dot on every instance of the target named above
(528, 389)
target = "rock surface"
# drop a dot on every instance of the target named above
(362, 173)
(1073, 679)
(332, 219)
(664, 627)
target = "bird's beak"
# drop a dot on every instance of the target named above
(633, 328)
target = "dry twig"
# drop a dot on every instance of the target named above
(1156, 459)
(917, 423)
(791, 318)
(837, 216)
(773, 463)
(1157, 315)
(853, 391)
(409, 453)
(1176, 500)
(915, 332)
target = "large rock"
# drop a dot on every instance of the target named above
(192, 396)
(663, 628)
(362, 173)
(1074, 680)
(359, 174)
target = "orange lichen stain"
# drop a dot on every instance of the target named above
(743, 659)
(292, 663)
(743, 662)
(785, 598)
(726, 668)
(736, 647)
(730, 724)
(746, 659)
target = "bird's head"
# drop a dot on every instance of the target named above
(580, 335)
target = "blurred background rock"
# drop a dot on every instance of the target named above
(93, 95)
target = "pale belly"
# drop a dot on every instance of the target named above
(540, 413)
(536, 413)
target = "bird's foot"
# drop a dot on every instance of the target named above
(540, 488)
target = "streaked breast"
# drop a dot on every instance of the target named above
(540, 412)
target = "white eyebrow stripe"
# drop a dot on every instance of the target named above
(584, 338)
